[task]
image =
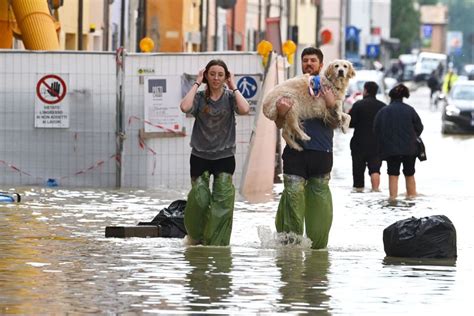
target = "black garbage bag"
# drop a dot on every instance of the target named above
(425, 237)
(170, 220)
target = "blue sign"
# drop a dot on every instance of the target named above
(372, 50)
(247, 86)
(352, 33)
(427, 31)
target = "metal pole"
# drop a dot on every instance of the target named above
(233, 29)
(120, 108)
(342, 31)
(105, 31)
(216, 24)
(79, 25)
(122, 23)
(140, 23)
(318, 23)
(259, 38)
(201, 25)
(206, 37)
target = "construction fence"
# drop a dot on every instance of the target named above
(85, 119)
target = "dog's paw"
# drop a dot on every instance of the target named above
(304, 137)
(297, 147)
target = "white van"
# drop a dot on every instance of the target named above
(427, 62)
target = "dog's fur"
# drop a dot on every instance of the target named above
(336, 76)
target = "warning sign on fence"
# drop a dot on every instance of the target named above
(51, 106)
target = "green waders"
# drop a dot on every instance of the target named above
(208, 218)
(197, 206)
(219, 221)
(307, 201)
(291, 209)
(318, 215)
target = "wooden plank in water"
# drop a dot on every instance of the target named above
(132, 231)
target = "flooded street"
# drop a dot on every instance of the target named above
(54, 258)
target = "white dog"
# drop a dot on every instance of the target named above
(304, 93)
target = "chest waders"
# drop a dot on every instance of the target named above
(306, 201)
(208, 217)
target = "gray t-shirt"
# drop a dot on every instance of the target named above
(213, 135)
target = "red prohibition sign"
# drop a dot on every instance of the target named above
(57, 95)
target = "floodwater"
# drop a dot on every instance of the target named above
(54, 258)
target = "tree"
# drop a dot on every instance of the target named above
(460, 15)
(405, 24)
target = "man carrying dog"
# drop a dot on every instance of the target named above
(306, 197)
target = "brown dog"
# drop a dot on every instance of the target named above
(306, 103)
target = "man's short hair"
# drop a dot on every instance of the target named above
(313, 51)
(371, 88)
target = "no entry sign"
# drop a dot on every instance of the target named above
(51, 89)
(51, 104)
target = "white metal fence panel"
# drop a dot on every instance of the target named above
(58, 119)
(81, 154)
(164, 161)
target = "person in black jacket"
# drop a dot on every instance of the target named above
(396, 127)
(363, 143)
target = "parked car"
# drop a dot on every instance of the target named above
(356, 87)
(458, 110)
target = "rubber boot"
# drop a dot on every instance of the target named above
(221, 210)
(197, 207)
(291, 209)
(318, 215)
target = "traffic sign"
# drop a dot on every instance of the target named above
(372, 50)
(247, 86)
(51, 89)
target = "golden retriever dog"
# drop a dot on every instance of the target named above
(303, 91)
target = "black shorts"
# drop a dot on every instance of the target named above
(199, 165)
(306, 163)
(361, 161)
(394, 162)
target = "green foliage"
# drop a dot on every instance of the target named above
(405, 24)
(460, 16)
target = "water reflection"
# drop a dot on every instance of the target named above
(304, 274)
(395, 261)
(209, 278)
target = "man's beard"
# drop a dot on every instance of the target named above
(312, 70)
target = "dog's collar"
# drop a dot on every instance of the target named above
(314, 85)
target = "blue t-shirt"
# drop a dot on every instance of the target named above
(321, 135)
